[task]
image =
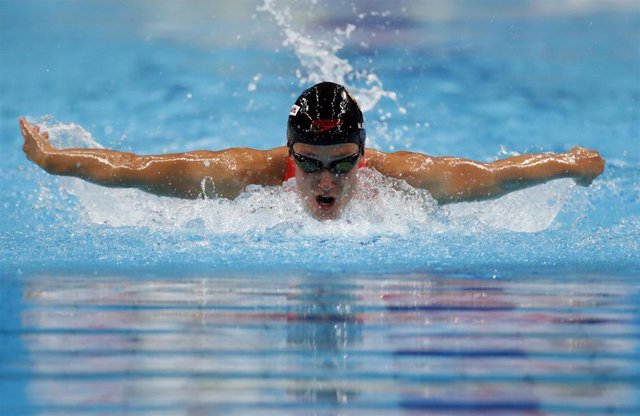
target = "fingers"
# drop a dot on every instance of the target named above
(582, 152)
(34, 140)
(587, 164)
(24, 126)
(32, 131)
(28, 130)
(26, 150)
(590, 164)
(28, 137)
(583, 155)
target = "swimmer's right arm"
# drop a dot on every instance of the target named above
(186, 175)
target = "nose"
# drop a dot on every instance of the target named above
(326, 182)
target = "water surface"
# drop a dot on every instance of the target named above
(116, 301)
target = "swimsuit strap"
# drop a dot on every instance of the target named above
(290, 171)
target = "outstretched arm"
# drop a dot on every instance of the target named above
(187, 175)
(451, 179)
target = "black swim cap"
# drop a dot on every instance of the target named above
(326, 114)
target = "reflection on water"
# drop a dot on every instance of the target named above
(287, 344)
(321, 323)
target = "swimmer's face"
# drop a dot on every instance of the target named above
(326, 191)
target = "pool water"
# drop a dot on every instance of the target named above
(116, 301)
(321, 343)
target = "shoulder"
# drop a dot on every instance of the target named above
(278, 153)
(263, 167)
(397, 164)
(239, 164)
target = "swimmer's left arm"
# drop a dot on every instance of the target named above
(451, 179)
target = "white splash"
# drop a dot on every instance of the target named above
(526, 210)
(320, 61)
(381, 206)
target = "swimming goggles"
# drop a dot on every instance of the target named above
(337, 167)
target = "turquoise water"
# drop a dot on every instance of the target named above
(115, 301)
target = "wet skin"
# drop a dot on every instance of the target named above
(325, 194)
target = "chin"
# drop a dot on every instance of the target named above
(325, 216)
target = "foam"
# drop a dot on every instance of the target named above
(381, 206)
(320, 61)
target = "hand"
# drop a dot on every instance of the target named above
(36, 144)
(588, 164)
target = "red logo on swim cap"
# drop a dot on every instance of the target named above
(320, 126)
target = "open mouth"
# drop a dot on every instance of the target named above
(325, 202)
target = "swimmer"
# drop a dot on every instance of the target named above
(325, 148)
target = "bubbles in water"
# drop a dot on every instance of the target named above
(253, 85)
